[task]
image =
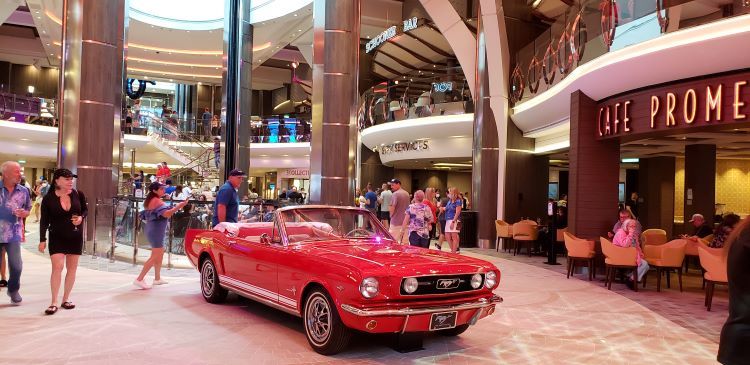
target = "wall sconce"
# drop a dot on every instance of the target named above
(31, 89)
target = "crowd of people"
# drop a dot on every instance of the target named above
(416, 218)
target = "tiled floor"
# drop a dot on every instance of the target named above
(545, 319)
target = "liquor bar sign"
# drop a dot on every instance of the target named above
(705, 103)
(409, 24)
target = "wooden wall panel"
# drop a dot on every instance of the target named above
(594, 173)
(656, 187)
(700, 177)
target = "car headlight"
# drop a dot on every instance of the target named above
(476, 281)
(490, 279)
(410, 285)
(369, 287)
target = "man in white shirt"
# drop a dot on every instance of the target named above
(385, 203)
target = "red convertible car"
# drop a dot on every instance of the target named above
(340, 270)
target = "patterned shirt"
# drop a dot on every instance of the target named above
(420, 216)
(11, 227)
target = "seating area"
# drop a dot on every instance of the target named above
(666, 258)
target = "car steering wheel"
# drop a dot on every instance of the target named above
(368, 233)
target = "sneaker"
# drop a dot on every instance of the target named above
(438, 247)
(3, 283)
(160, 282)
(15, 298)
(141, 284)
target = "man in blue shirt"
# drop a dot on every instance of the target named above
(372, 199)
(15, 204)
(170, 189)
(227, 204)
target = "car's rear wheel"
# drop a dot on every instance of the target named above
(325, 331)
(455, 331)
(210, 288)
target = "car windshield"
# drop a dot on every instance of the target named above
(318, 224)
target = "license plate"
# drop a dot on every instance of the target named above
(441, 321)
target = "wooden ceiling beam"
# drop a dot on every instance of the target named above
(429, 45)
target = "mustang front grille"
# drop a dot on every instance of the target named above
(442, 284)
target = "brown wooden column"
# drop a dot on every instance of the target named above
(334, 101)
(594, 172)
(700, 181)
(91, 92)
(656, 187)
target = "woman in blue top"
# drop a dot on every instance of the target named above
(452, 216)
(156, 214)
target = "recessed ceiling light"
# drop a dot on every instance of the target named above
(295, 14)
(25, 139)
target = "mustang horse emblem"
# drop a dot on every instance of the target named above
(447, 283)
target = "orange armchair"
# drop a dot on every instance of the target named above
(691, 249)
(504, 230)
(618, 258)
(579, 250)
(653, 237)
(525, 233)
(665, 258)
(713, 261)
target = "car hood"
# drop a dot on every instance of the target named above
(400, 260)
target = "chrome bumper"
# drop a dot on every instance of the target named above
(481, 303)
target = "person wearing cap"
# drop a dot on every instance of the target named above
(399, 203)
(156, 213)
(227, 205)
(15, 205)
(702, 229)
(63, 212)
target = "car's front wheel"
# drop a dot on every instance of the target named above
(210, 288)
(325, 331)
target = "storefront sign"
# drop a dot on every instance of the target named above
(441, 87)
(419, 145)
(294, 174)
(708, 102)
(409, 24)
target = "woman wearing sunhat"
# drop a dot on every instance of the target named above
(63, 211)
(156, 213)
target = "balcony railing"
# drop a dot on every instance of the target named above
(592, 28)
(415, 97)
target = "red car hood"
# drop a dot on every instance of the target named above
(401, 260)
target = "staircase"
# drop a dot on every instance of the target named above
(194, 154)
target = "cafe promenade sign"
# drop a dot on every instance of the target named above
(392, 32)
(714, 102)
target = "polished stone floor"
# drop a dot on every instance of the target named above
(545, 319)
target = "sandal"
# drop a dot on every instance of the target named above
(51, 310)
(68, 305)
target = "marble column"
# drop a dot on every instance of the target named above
(334, 101)
(237, 88)
(485, 149)
(91, 90)
(700, 182)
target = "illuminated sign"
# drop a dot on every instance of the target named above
(418, 145)
(696, 103)
(294, 174)
(409, 24)
(442, 87)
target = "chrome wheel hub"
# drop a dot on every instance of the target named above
(318, 319)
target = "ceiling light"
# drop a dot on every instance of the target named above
(630, 160)
(295, 14)
(21, 161)
(170, 63)
(181, 51)
(25, 139)
(535, 3)
(446, 164)
(171, 73)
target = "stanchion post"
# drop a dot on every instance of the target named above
(171, 239)
(96, 213)
(113, 231)
(136, 223)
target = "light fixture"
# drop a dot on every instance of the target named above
(630, 160)
(31, 89)
(170, 63)
(447, 164)
(294, 64)
(535, 3)
(21, 161)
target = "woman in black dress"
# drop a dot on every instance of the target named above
(63, 211)
(734, 345)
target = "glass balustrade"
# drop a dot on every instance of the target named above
(592, 28)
